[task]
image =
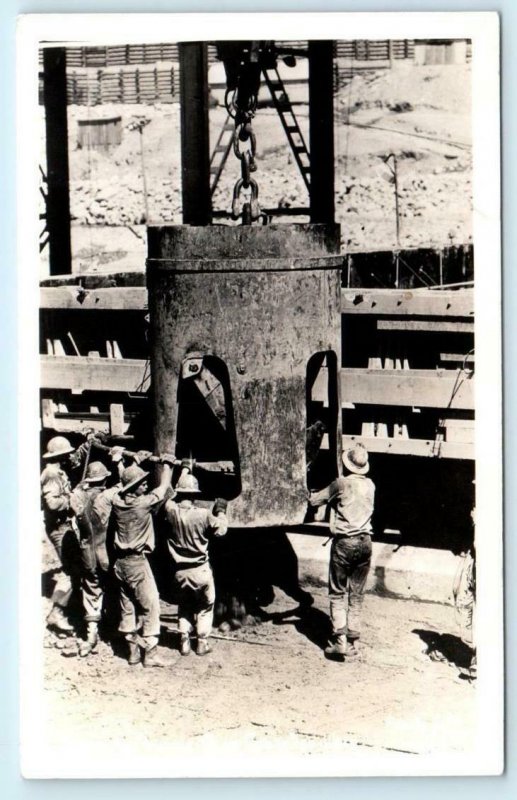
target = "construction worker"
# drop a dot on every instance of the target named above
(133, 507)
(464, 593)
(55, 498)
(351, 498)
(188, 531)
(92, 504)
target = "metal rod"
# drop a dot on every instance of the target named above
(210, 466)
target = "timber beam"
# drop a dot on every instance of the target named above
(93, 374)
(393, 302)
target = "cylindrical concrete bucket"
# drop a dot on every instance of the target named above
(262, 301)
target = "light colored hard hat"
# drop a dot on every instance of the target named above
(187, 484)
(96, 472)
(132, 477)
(356, 459)
(58, 446)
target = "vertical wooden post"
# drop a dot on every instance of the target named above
(58, 184)
(195, 149)
(321, 117)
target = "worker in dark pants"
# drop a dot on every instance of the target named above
(133, 508)
(351, 499)
(92, 504)
(55, 498)
(188, 532)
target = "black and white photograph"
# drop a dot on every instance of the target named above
(260, 368)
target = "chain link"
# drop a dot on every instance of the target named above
(244, 148)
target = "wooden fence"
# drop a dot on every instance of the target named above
(149, 73)
(136, 54)
(159, 84)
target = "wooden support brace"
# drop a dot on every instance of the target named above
(117, 426)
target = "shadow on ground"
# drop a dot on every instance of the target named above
(445, 647)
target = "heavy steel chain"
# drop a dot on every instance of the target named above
(245, 202)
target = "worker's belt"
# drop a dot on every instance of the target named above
(128, 554)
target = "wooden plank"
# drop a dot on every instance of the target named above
(83, 374)
(425, 388)
(117, 426)
(408, 387)
(427, 326)
(380, 302)
(47, 413)
(461, 357)
(113, 299)
(414, 447)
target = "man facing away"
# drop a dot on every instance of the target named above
(188, 531)
(133, 508)
(351, 498)
(92, 502)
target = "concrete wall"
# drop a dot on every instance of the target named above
(418, 573)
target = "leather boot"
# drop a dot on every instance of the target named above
(352, 650)
(203, 646)
(57, 619)
(152, 658)
(92, 639)
(185, 647)
(338, 648)
(135, 654)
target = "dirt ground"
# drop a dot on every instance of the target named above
(420, 114)
(269, 685)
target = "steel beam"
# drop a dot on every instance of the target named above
(58, 185)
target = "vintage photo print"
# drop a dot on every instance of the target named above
(260, 385)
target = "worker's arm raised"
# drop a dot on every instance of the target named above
(167, 462)
(325, 495)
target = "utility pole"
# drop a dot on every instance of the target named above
(394, 173)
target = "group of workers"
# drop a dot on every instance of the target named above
(77, 520)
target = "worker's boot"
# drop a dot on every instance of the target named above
(56, 619)
(135, 654)
(352, 650)
(203, 646)
(185, 647)
(92, 639)
(152, 657)
(338, 648)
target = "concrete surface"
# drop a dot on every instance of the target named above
(398, 571)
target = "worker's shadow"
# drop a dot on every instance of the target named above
(445, 647)
(309, 622)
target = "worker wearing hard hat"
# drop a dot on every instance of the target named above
(133, 507)
(351, 499)
(92, 503)
(188, 531)
(55, 498)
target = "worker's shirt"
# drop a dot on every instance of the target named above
(92, 506)
(55, 495)
(189, 531)
(351, 501)
(134, 530)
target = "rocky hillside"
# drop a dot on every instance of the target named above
(421, 115)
